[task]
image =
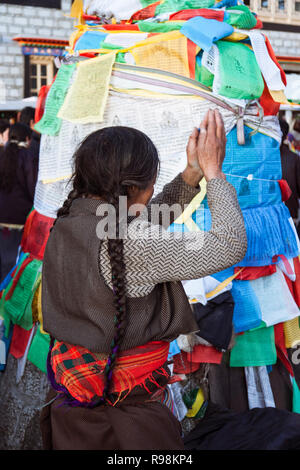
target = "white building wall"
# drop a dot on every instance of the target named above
(284, 43)
(27, 21)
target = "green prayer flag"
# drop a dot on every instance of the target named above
(120, 58)
(254, 348)
(240, 75)
(241, 17)
(38, 350)
(50, 124)
(203, 75)
(108, 45)
(296, 396)
(148, 27)
(3, 314)
(177, 5)
(18, 308)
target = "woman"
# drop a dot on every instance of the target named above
(18, 174)
(113, 302)
(4, 130)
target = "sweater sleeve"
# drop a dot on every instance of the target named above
(177, 194)
(153, 255)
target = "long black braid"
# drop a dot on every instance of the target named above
(115, 251)
(65, 209)
(106, 163)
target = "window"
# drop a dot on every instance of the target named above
(35, 3)
(40, 73)
(297, 6)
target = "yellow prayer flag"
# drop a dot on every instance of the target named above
(279, 96)
(76, 9)
(236, 37)
(291, 333)
(170, 55)
(87, 96)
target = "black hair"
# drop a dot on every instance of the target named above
(284, 128)
(10, 153)
(27, 115)
(107, 162)
(3, 125)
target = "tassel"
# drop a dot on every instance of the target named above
(269, 233)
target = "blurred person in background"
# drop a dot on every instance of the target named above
(4, 130)
(18, 175)
(293, 136)
(27, 117)
(290, 163)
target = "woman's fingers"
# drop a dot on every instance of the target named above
(221, 135)
(194, 135)
(211, 125)
(204, 123)
(220, 130)
(192, 142)
(193, 138)
(203, 132)
(211, 145)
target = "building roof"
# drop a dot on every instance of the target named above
(30, 41)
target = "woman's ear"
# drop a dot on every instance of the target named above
(133, 191)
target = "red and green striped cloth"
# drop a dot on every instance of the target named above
(81, 372)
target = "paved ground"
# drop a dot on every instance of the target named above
(20, 407)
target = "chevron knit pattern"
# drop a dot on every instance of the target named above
(152, 255)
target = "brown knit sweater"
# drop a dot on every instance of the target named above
(77, 300)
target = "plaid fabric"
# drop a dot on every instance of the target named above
(81, 372)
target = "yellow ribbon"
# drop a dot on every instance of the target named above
(77, 9)
(37, 308)
(219, 287)
(193, 205)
